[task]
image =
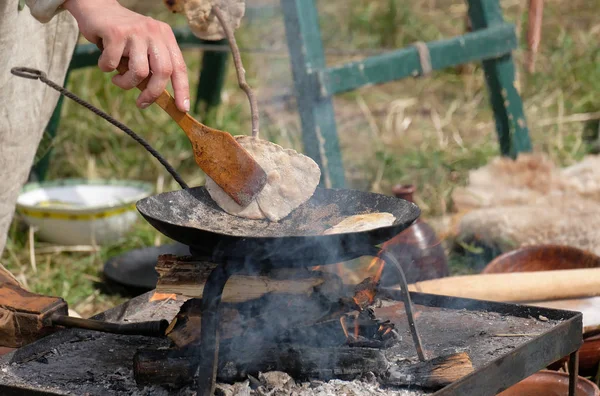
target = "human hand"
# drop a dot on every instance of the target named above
(149, 44)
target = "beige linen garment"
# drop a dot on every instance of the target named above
(27, 105)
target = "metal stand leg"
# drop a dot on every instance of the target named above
(209, 331)
(573, 372)
(391, 260)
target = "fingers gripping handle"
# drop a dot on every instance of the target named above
(164, 100)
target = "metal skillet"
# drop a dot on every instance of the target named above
(191, 217)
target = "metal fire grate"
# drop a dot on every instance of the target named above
(76, 362)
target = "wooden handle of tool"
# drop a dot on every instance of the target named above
(165, 100)
(517, 286)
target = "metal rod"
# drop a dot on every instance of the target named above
(391, 260)
(155, 328)
(209, 328)
(573, 372)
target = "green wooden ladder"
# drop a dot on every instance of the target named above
(491, 42)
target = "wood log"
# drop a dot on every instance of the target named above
(176, 368)
(273, 315)
(163, 366)
(517, 286)
(435, 373)
(185, 276)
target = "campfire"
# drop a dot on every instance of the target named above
(298, 330)
(304, 322)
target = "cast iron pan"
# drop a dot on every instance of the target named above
(191, 217)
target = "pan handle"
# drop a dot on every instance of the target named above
(155, 328)
(34, 74)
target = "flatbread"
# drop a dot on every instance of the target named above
(362, 222)
(292, 179)
(202, 22)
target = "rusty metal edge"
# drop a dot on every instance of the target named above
(505, 371)
(490, 379)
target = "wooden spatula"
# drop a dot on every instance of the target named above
(216, 152)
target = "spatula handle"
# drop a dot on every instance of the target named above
(165, 100)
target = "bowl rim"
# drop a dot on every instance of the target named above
(554, 373)
(146, 189)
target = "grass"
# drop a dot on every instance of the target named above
(427, 131)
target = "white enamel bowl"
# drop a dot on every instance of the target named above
(82, 212)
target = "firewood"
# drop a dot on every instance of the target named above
(186, 276)
(272, 314)
(435, 373)
(163, 366)
(235, 364)
(174, 367)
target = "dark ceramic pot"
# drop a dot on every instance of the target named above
(418, 249)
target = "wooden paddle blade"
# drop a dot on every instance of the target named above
(216, 152)
(228, 164)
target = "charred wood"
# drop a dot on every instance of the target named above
(176, 367)
(434, 373)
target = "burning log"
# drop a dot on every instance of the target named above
(435, 373)
(176, 367)
(275, 314)
(187, 277)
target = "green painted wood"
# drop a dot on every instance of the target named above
(511, 124)
(319, 134)
(212, 78)
(85, 55)
(487, 43)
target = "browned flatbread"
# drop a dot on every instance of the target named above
(291, 180)
(202, 22)
(362, 222)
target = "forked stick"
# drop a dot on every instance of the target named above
(239, 68)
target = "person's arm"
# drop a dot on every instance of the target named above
(149, 44)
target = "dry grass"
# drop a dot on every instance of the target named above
(427, 131)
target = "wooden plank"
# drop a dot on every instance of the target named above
(511, 124)
(319, 134)
(488, 43)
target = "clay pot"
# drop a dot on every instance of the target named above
(542, 258)
(418, 249)
(589, 357)
(549, 258)
(550, 383)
